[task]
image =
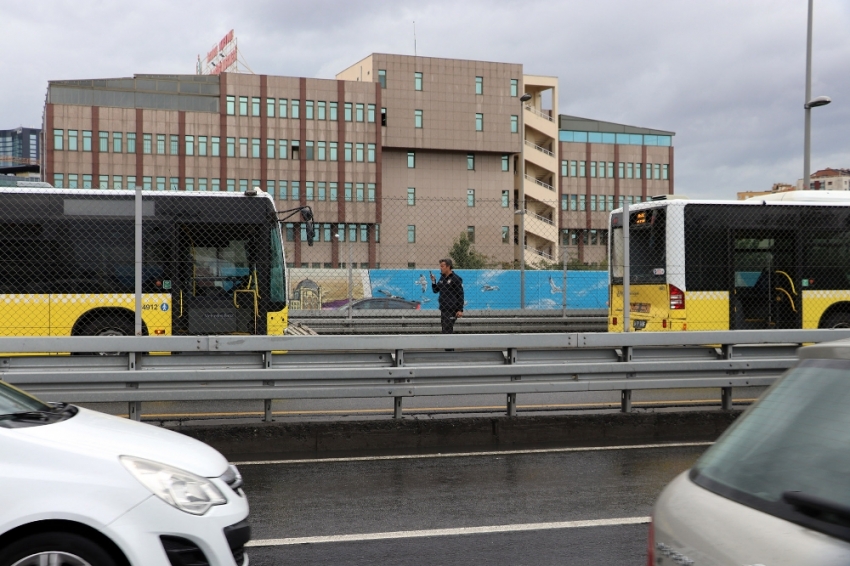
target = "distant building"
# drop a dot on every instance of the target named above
(776, 188)
(828, 180)
(19, 152)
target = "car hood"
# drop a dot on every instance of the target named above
(105, 436)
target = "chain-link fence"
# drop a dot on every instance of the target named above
(719, 266)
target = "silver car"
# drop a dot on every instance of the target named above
(774, 490)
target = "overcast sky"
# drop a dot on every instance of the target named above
(728, 76)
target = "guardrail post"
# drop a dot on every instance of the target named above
(134, 408)
(726, 398)
(511, 360)
(626, 401)
(511, 404)
(397, 407)
(267, 403)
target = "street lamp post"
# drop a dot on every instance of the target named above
(523, 99)
(809, 104)
(350, 277)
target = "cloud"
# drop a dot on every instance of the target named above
(726, 76)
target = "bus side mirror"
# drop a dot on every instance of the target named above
(307, 217)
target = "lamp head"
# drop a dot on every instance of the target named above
(818, 101)
(525, 97)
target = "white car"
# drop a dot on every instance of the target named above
(81, 488)
(774, 490)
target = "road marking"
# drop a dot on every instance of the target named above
(452, 532)
(470, 454)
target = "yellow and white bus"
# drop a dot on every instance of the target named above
(779, 261)
(212, 263)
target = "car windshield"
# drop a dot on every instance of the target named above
(794, 440)
(13, 400)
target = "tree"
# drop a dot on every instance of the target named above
(465, 256)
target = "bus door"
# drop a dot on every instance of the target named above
(764, 293)
(216, 289)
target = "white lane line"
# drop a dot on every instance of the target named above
(452, 532)
(469, 454)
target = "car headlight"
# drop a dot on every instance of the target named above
(184, 490)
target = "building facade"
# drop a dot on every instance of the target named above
(19, 151)
(398, 156)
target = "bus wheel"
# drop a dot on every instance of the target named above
(107, 327)
(838, 320)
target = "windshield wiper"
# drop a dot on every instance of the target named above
(30, 416)
(816, 506)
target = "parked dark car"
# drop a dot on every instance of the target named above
(380, 303)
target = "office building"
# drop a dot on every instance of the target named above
(19, 152)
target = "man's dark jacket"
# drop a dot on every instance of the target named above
(450, 288)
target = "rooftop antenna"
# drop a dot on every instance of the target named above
(414, 38)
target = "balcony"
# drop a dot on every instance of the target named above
(541, 122)
(540, 157)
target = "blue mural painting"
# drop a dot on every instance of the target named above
(498, 289)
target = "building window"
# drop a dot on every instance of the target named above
(506, 164)
(322, 190)
(573, 169)
(269, 149)
(383, 116)
(103, 142)
(629, 170)
(243, 105)
(359, 152)
(565, 168)
(333, 111)
(360, 193)
(479, 85)
(243, 147)
(656, 168)
(296, 190)
(117, 142)
(296, 149)
(564, 202)
(621, 170)
(309, 109)
(146, 144)
(322, 151)
(610, 169)
(334, 190)
(582, 203)
(117, 182)
(87, 141)
(370, 153)
(370, 192)
(506, 234)
(202, 185)
(358, 114)
(593, 203)
(72, 181)
(58, 139)
(295, 109)
(382, 77)
(270, 104)
(160, 183)
(243, 185)
(417, 81)
(506, 199)
(202, 146)
(174, 143)
(665, 172)
(582, 168)
(189, 183)
(255, 106)
(411, 159)
(370, 113)
(333, 151)
(479, 122)
(58, 180)
(231, 105)
(190, 145)
(592, 169)
(72, 141)
(282, 190)
(470, 234)
(131, 142)
(470, 197)
(282, 149)
(347, 148)
(308, 150)
(514, 124)
(601, 166)
(470, 162)
(282, 107)
(321, 108)
(348, 188)
(346, 114)
(411, 234)
(417, 118)
(514, 87)
(352, 235)
(308, 191)
(231, 147)
(411, 196)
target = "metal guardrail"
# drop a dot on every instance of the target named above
(403, 321)
(264, 368)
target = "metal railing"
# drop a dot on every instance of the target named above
(265, 368)
(540, 149)
(540, 218)
(539, 182)
(539, 113)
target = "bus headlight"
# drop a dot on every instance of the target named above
(179, 488)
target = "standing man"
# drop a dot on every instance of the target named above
(450, 288)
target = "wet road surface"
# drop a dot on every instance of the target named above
(562, 506)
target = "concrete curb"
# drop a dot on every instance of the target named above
(482, 433)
